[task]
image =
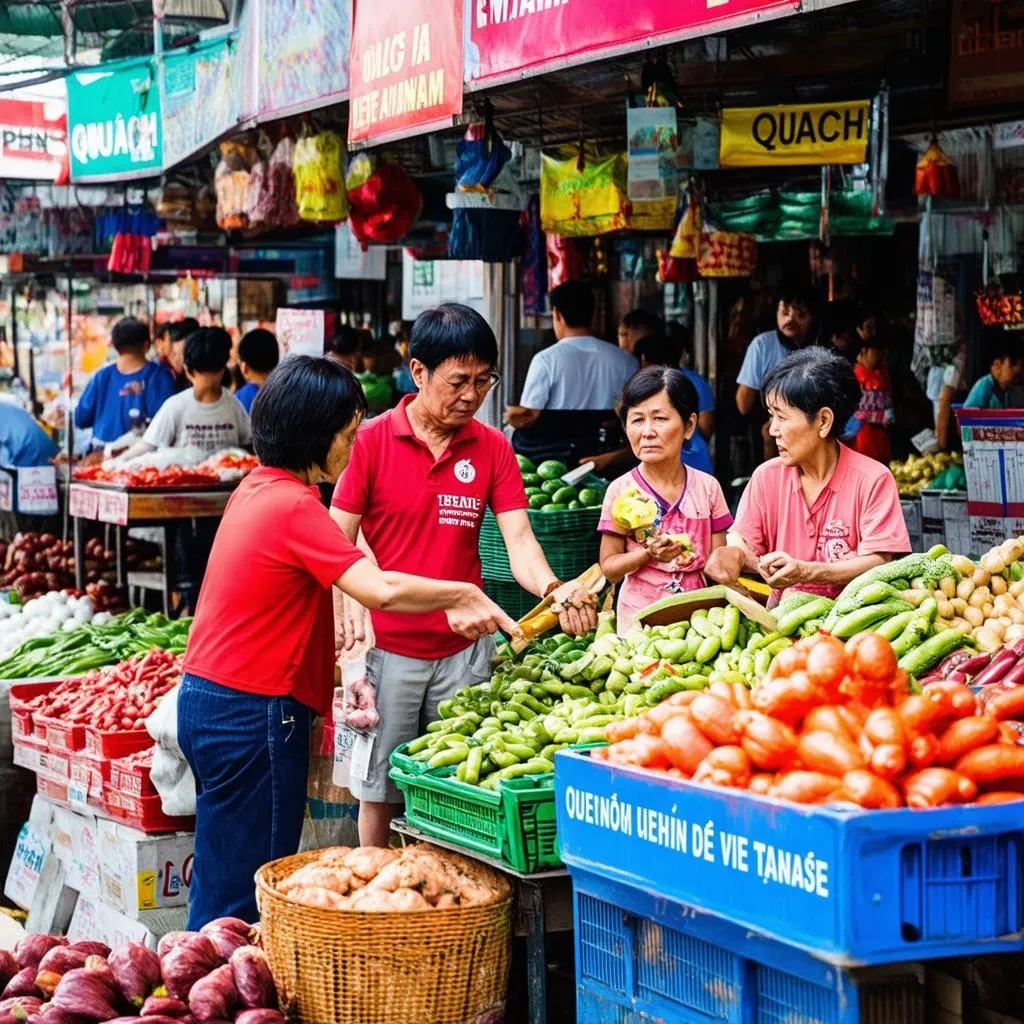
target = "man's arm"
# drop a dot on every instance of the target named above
(520, 417)
(534, 399)
(354, 623)
(85, 411)
(706, 424)
(746, 399)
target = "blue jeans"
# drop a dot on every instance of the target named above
(250, 758)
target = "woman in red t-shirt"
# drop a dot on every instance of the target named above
(260, 659)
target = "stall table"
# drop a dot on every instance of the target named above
(124, 508)
(539, 897)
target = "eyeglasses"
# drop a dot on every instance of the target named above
(480, 384)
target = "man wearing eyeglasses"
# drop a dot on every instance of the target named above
(419, 481)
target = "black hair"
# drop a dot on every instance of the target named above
(207, 350)
(656, 350)
(799, 293)
(643, 320)
(998, 343)
(452, 331)
(298, 412)
(345, 342)
(814, 379)
(575, 301)
(652, 381)
(258, 349)
(130, 335)
(181, 329)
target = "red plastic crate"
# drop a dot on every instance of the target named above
(57, 792)
(28, 753)
(131, 779)
(143, 812)
(112, 745)
(21, 716)
(55, 766)
(90, 772)
(61, 736)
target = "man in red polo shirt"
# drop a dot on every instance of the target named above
(418, 483)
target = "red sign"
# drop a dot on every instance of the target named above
(987, 62)
(405, 68)
(510, 39)
(33, 139)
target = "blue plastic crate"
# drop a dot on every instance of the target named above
(642, 959)
(850, 887)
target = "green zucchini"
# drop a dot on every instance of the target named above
(892, 628)
(913, 636)
(789, 623)
(866, 617)
(932, 651)
(793, 600)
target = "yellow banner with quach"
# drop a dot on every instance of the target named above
(795, 134)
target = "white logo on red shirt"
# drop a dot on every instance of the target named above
(465, 472)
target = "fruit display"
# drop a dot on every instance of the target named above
(371, 879)
(562, 691)
(93, 646)
(162, 470)
(833, 723)
(219, 973)
(58, 611)
(943, 471)
(547, 492)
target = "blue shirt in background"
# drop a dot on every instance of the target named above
(111, 396)
(23, 443)
(695, 453)
(766, 351)
(246, 394)
(984, 395)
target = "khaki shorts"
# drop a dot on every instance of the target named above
(408, 691)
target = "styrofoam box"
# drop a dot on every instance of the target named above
(93, 919)
(140, 872)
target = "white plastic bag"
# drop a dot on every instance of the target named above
(355, 718)
(172, 778)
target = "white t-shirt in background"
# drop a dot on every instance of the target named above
(577, 373)
(184, 422)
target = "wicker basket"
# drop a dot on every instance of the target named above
(352, 967)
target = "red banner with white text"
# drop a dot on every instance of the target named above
(405, 68)
(511, 39)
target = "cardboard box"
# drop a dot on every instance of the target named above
(53, 903)
(29, 868)
(84, 864)
(92, 919)
(140, 872)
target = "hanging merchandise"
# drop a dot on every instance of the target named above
(934, 324)
(679, 264)
(564, 261)
(259, 186)
(383, 200)
(8, 221)
(68, 232)
(30, 238)
(231, 181)
(935, 174)
(132, 248)
(319, 166)
(535, 264)
(997, 308)
(282, 211)
(583, 194)
(726, 254)
(488, 204)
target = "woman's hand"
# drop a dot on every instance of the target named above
(725, 564)
(577, 613)
(781, 570)
(664, 549)
(474, 614)
(354, 623)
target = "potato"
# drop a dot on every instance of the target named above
(1016, 616)
(998, 585)
(914, 597)
(988, 611)
(963, 565)
(993, 563)
(1016, 589)
(948, 586)
(963, 626)
(987, 639)
(981, 577)
(1020, 601)
(945, 608)
(996, 627)
(1012, 550)
(959, 604)
(1014, 633)
(974, 616)
(1003, 604)
(965, 588)
(979, 598)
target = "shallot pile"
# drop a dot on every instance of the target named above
(419, 877)
(217, 974)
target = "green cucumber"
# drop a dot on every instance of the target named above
(864, 618)
(793, 620)
(932, 652)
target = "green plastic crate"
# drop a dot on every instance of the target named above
(569, 540)
(511, 598)
(515, 825)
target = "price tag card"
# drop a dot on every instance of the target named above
(6, 492)
(925, 441)
(113, 507)
(83, 502)
(37, 490)
(78, 795)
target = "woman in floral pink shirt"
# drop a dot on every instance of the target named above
(659, 412)
(820, 514)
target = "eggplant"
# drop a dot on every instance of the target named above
(253, 980)
(85, 993)
(9, 967)
(22, 984)
(163, 1006)
(136, 969)
(214, 997)
(260, 1017)
(32, 948)
(191, 959)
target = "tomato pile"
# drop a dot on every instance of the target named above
(150, 476)
(114, 699)
(834, 723)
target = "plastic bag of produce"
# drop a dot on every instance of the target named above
(172, 778)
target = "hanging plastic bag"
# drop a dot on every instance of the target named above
(231, 182)
(935, 174)
(281, 209)
(565, 263)
(583, 194)
(384, 206)
(481, 155)
(535, 265)
(320, 178)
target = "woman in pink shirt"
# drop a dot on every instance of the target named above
(659, 413)
(820, 514)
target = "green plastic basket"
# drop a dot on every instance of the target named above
(515, 825)
(511, 598)
(570, 542)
